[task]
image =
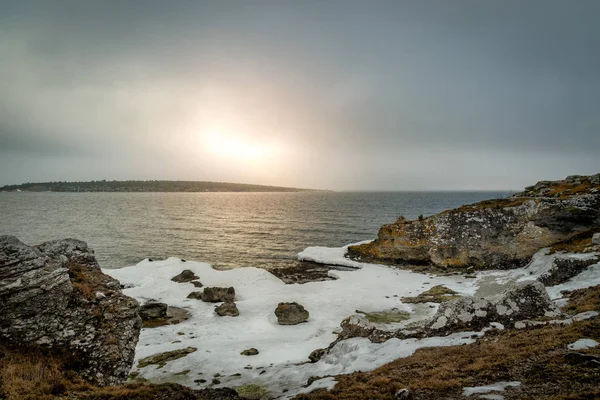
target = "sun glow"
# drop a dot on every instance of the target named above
(234, 145)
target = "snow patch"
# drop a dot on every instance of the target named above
(583, 344)
(495, 387)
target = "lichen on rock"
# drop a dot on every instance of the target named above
(54, 296)
(492, 234)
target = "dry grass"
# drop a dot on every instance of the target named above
(30, 375)
(535, 357)
(579, 243)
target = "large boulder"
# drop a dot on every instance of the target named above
(492, 234)
(291, 314)
(54, 296)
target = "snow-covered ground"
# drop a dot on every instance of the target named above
(281, 365)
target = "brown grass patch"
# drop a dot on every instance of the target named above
(29, 375)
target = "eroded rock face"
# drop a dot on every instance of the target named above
(218, 294)
(526, 300)
(55, 296)
(493, 234)
(291, 314)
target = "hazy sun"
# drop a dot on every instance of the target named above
(231, 145)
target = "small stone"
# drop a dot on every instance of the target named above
(596, 238)
(291, 314)
(227, 310)
(249, 352)
(317, 354)
(185, 276)
(215, 381)
(248, 367)
(197, 284)
(100, 295)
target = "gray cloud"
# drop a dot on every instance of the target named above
(362, 95)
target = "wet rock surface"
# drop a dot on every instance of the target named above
(218, 294)
(291, 314)
(55, 296)
(492, 234)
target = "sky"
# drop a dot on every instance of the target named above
(340, 95)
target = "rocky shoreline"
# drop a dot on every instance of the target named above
(518, 292)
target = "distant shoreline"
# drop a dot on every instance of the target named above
(146, 186)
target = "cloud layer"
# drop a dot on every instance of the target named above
(386, 95)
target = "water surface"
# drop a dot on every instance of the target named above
(228, 230)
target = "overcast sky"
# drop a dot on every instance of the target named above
(355, 95)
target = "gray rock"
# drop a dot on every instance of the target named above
(184, 276)
(564, 269)
(291, 314)
(153, 310)
(526, 300)
(227, 310)
(218, 294)
(596, 238)
(48, 298)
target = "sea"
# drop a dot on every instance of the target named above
(227, 230)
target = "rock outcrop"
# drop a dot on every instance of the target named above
(291, 314)
(493, 234)
(55, 297)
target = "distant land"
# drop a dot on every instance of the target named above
(145, 186)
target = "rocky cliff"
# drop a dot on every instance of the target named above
(493, 234)
(55, 298)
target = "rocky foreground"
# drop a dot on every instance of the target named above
(518, 316)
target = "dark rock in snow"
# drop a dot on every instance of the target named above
(291, 314)
(185, 276)
(227, 310)
(218, 294)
